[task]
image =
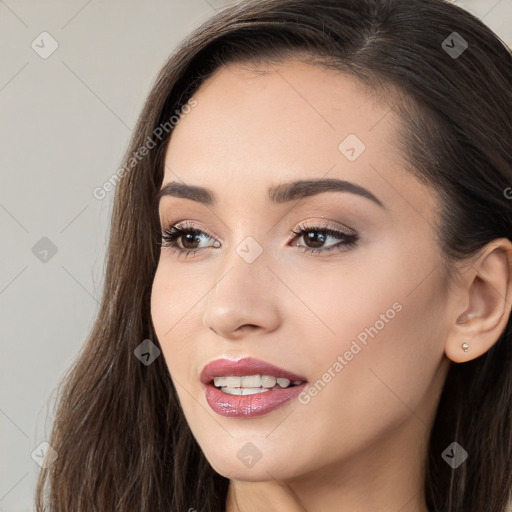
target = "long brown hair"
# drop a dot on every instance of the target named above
(122, 440)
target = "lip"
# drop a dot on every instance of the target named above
(247, 406)
(244, 366)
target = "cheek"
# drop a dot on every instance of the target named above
(382, 343)
(363, 391)
(160, 302)
(170, 313)
(345, 310)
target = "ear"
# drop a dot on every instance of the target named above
(485, 305)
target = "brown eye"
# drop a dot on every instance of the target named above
(189, 237)
(316, 236)
(313, 239)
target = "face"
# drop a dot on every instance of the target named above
(340, 286)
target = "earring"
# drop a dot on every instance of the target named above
(465, 347)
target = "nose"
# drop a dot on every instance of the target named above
(244, 298)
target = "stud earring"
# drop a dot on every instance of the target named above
(465, 347)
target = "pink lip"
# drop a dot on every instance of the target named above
(245, 366)
(248, 406)
(243, 406)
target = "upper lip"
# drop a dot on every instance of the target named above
(244, 366)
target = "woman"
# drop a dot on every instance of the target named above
(308, 290)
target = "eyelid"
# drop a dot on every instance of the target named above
(326, 224)
(194, 225)
(348, 237)
(187, 225)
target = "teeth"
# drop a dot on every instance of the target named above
(268, 381)
(252, 382)
(244, 391)
(284, 383)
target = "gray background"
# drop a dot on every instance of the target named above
(65, 123)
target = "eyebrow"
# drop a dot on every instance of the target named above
(277, 194)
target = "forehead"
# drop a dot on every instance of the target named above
(287, 106)
(256, 126)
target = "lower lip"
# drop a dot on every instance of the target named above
(248, 406)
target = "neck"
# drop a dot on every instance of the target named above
(387, 476)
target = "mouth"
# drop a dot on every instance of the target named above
(252, 384)
(248, 387)
(248, 373)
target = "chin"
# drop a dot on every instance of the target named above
(241, 467)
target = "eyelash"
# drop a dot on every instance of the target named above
(174, 232)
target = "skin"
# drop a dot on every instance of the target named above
(360, 443)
